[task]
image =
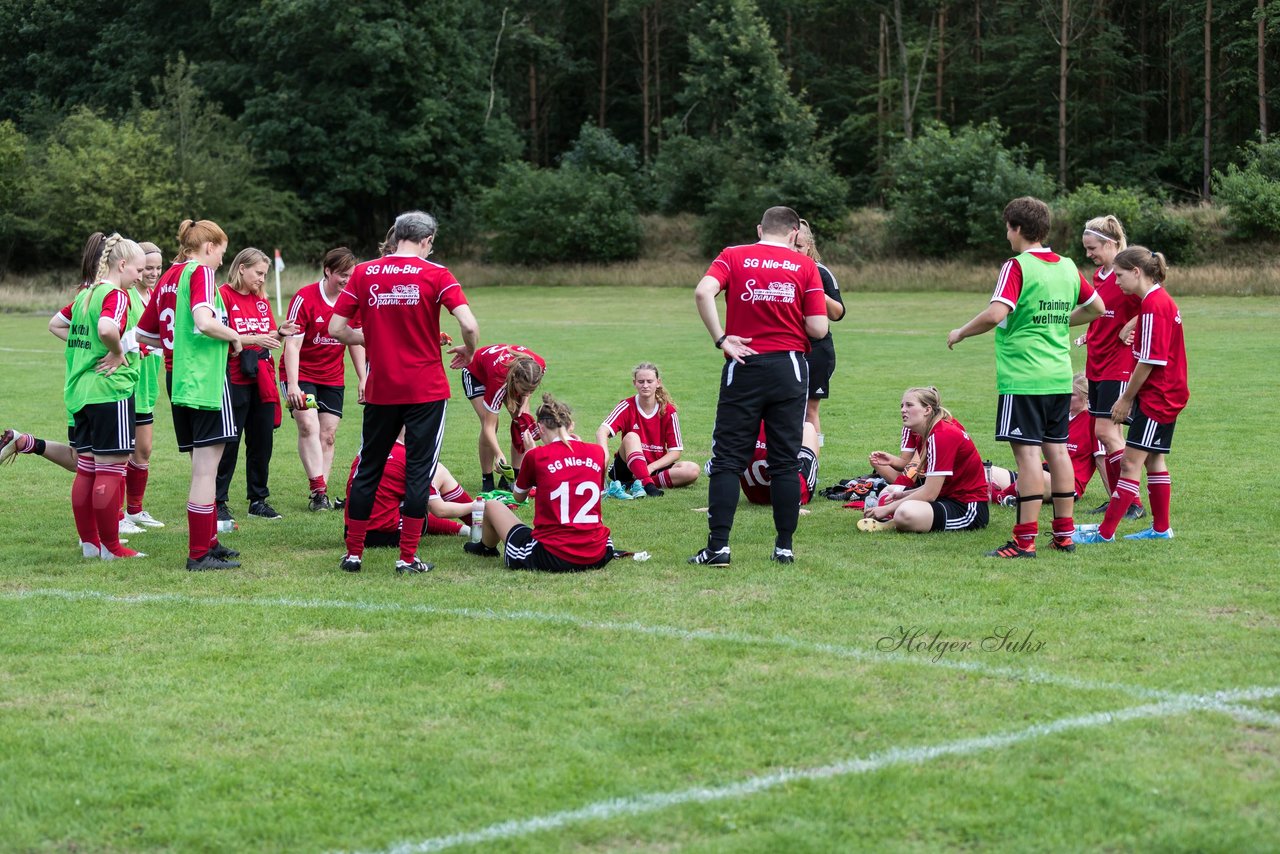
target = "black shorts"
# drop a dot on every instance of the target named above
(522, 551)
(104, 429)
(822, 365)
(619, 471)
(470, 387)
(329, 398)
(1103, 395)
(142, 419)
(1149, 435)
(949, 515)
(1033, 419)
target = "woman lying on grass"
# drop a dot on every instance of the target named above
(954, 494)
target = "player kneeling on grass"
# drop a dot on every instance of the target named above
(954, 494)
(755, 481)
(567, 534)
(1156, 393)
(448, 502)
(648, 457)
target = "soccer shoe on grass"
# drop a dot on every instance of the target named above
(1101, 508)
(654, 491)
(1012, 550)
(417, 565)
(145, 519)
(8, 445)
(618, 491)
(720, 557)
(221, 552)
(128, 526)
(123, 554)
(867, 523)
(1151, 534)
(90, 549)
(480, 549)
(1088, 538)
(637, 489)
(350, 563)
(782, 555)
(1062, 543)
(319, 501)
(209, 563)
(1135, 511)
(263, 510)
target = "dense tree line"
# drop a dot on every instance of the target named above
(313, 121)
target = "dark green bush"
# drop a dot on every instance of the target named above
(948, 189)
(1251, 192)
(565, 215)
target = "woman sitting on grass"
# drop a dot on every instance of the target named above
(648, 456)
(954, 494)
(567, 534)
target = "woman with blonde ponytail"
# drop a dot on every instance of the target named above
(954, 493)
(102, 370)
(648, 457)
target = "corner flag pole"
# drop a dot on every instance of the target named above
(279, 267)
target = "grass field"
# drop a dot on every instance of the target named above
(654, 706)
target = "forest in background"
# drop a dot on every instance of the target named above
(541, 131)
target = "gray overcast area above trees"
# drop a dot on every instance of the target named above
(539, 131)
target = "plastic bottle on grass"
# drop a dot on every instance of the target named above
(477, 520)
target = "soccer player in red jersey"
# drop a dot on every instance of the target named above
(954, 494)
(756, 482)
(313, 365)
(502, 375)
(774, 304)
(648, 457)
(251, 374)
(567, 534)
(1110, 359)
(448, 503)
(1156, 393)
(398, 298)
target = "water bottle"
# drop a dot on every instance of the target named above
(872, 501)
(477, 520)
(991, 490)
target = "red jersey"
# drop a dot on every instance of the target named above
(247, 314)
(398, 298)
(320, 359)
(1158, 342)
(1108, 357)
(951, 454)
(1083, 446)
(769, 291)
(911, 442)
(490, 366)
(566, 508)
(658, 435)
(157, 319)
(755, 480)
(115, 306)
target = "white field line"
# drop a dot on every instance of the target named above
(1029, 675)
(653, 802)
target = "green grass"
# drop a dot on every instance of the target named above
(289, 706)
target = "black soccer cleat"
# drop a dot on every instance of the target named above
(209, 562)
(263, 510)
(1063, 543)
(1135, 511)
(653, 491)
(720, 557)
(480, 549)
(782, 555)
(221, 552)
(1012, 550)
(350, 563)
(417, 565)
(319, 501)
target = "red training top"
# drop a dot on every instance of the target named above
(1109, 358)
(657, 435)
(769, 290)
(566, 509)
(248, 315)
(320, 359)
(1158, 342)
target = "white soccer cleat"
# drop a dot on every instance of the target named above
(90, 550)
(127, 526)
(144, 519)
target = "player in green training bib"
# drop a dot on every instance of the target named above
(1039, 296)
(98, 392)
